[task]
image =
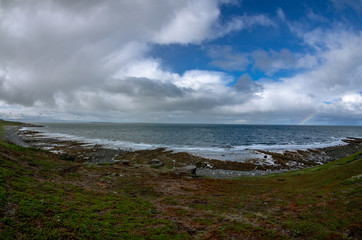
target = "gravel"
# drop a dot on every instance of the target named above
(11, 136)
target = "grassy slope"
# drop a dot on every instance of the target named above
(43, 197)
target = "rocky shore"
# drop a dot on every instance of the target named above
(166, 160)
(11, 135)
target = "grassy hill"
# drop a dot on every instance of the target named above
(44, 197)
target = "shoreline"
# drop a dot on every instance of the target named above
(11, 135)
(169, 160)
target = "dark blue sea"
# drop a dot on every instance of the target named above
(225, 142)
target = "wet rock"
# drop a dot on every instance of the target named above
(117, 175)
(220, 173)
(67, 157)
(191, 169)
(125, 162)
(155, 163)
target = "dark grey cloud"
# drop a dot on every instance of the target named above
(273, 61)
(162, 96)
(270, 62)
(60, 46)
(226, 58)
(145, 88)
(74, 59)
(247, 86)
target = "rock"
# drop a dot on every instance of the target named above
(67, 157)
(117, 175)
(191, 169)
(155, 163)
(125, 162)
(203, 165)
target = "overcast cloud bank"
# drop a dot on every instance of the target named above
(88, 60)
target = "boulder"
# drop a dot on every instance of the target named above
(190, 169)
(155, 163)
(125, 163)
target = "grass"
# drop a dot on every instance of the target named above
(45, 197)
(6, 123)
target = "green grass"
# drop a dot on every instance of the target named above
(319, 203)
(37, 204)
(37, 207)
(44, 197)
(6, 123)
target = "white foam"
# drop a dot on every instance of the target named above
(240, 153)
(92, 141)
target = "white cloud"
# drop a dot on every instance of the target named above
(49, 47)
(192, 24)
(204, 80)
(340, 57)
(199, 21)
(89, 60)
(312, 16)
(353, 4)
(334, 79)
(281, 14)
(244, 22)
(353, 102)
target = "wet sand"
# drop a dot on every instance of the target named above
(167, 160)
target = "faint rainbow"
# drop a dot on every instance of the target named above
(307, 118)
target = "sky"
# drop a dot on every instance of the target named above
(182, 61)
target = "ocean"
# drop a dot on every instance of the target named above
(224, 142)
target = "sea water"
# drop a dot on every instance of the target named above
(224, 142)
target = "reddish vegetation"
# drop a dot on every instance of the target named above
(43, 196)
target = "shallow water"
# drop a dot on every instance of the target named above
(221, 173)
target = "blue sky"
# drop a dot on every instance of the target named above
(308, 14)
(206, 61)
